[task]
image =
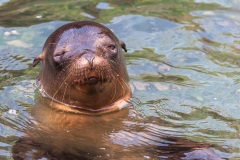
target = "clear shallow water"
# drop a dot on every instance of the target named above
(184, 66)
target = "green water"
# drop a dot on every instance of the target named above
(183, 61)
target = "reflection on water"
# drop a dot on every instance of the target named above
(183, 63)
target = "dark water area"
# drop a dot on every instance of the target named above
(184, 66)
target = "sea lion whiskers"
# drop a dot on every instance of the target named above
(114, 76)
(115, 91)
(114, 66)
(128, 86)
(109, 73)
(121, 82)
(81, 73)
(69, 95)
(59, 87)
(122, 93)
(85, 73)
(67, 69)
(63, 70)
(77, 69)
(98, 71)
(64, 93)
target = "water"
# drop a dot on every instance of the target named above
(184, 65)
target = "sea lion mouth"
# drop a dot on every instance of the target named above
(91, 81)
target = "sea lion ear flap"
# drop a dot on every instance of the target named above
(123, 45)
(37, 60)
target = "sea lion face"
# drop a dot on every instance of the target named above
(82, 65)
(87, 58)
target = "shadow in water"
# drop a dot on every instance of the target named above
(59, 135)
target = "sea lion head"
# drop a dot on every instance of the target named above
(82, 66)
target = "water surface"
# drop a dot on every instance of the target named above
(183, 61)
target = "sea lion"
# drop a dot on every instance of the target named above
(83, 69)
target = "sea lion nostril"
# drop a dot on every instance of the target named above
(90, 58)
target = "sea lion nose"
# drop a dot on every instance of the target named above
(89, 57)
